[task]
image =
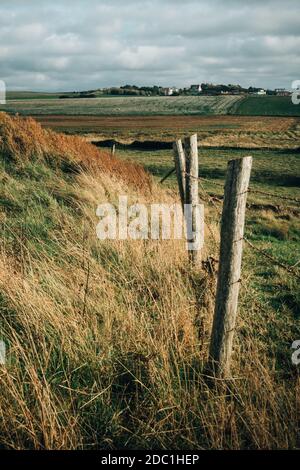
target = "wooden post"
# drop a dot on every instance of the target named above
(229, 278)
(179, 158)
(192, 212)
(113, 150)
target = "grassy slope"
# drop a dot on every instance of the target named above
(107, 341)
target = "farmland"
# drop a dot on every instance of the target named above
(213, 131)
(266, 106)
(125, 106)
(30, 95)
(39, 104)
(220, 121)
(150, 232)
(273, 170)
(108, 339)
(128, 322)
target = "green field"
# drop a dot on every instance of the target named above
(272, 223)
(266, 106)
(30, 95)
(273, 171)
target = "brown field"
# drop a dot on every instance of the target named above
(228, 131)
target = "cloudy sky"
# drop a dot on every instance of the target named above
(86, 44)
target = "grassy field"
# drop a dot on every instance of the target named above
(266, 106)
(273, 222)
(107, 341)
(30, 95)
(125, 106)
(273, 171)
(36, 104)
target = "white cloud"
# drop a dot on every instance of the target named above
(149, 57)
(89, 44)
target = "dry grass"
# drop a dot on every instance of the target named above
(23, 140)
(108, 341)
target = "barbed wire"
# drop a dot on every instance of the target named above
(167, 175)
(211, 200)
(221, 185)
(205, 219)
(278, 196)
(214, 183)
(254, 191)
(250, 189)
(290, 269)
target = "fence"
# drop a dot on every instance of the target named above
(232, 237)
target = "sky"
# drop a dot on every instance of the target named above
(71, 45)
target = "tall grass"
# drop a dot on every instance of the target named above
(108, 341)
(23, 140)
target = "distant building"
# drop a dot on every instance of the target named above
(169, 91)
(196, 88)
(282, 92)
(257, 91)
(261, 91)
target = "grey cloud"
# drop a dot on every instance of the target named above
(87, 44)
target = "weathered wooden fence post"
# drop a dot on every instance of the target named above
(179, 158)
(193, 211)
(232, 233)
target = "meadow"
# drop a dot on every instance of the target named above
(125, 106)
(29, 95)
(272, 221)
(107, 342)
(39, 104)
(266, 106)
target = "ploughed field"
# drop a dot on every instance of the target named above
(213, 131)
